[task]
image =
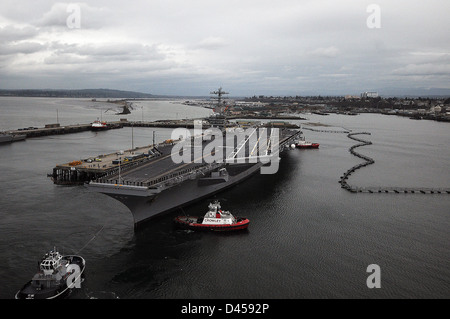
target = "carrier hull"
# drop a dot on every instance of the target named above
(161, 184)
(144, 205)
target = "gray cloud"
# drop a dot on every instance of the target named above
(21, 48)
(211, 43)
(328, 52)
(248, 46)
(11, 33)
(58, 15)
(424, 69)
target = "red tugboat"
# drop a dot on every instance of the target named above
(215, 220)
(304, 144)
(99, 125)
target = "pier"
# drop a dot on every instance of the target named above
(57, 129)
(80, 171)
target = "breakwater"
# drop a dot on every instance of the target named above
(56, 129)
(381, 189)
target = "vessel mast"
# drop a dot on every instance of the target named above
(219, 94)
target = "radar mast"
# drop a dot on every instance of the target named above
(220, 108)
(219, 119)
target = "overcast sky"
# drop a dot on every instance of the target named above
(190, 47)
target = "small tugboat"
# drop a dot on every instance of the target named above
(57, 274)
(304, 144)
(215, 220)
(99, 125)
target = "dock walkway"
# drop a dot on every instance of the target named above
(105, 165)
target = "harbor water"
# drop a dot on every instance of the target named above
(308, 237)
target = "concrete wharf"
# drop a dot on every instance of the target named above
(83, 170)
(57, 129)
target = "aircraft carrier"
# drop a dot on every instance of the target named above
(162, 183)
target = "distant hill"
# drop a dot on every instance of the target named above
(87, 93)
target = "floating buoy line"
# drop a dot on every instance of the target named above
(372, 190)
(369, 161)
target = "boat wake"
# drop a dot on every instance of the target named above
(101, 295)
